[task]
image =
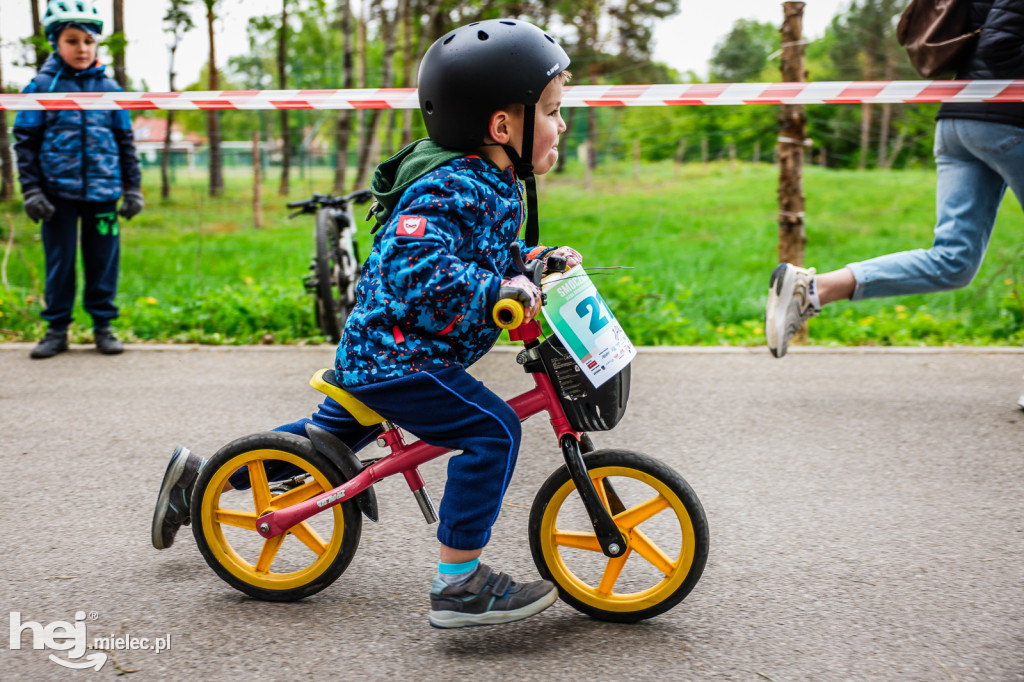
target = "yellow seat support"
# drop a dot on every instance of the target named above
(362, 414)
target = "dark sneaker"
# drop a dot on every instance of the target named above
(54, 342)
(789, 306)
(488, 598)
(106, 342)
(171, 511)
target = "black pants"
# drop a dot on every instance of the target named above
(101, 255)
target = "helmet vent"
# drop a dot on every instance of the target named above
(550, 39)
(449, 39)
(428, 106)
(482, 35)
(509, 23)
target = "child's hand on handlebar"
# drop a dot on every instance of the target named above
(572, 256)
(522, 289)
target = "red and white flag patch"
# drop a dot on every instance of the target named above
(411, 226)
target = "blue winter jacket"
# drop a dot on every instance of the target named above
(83, 155)
(432, 278)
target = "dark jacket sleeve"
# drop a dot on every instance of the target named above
(1001, 43)
(131, 176)
(28, 140)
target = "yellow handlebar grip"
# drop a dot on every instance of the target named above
(508, 313)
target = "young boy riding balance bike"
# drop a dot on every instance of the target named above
(449, 209)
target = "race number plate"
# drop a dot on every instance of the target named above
(582, 321)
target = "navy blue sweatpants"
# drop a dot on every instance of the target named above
(447, 408)
(101, 253)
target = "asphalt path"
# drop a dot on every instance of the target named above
(864, 509)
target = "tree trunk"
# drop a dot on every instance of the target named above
(119, 71)
(792, 130)
(257, 182)
(6, 160)
(589, 35)
(885, 126)
(37, 36)
(165, 159)
(282, 78)
(408, 78)
(343, 130)
(867, 110)
(362, 116)
(213, 116)
(369, 149)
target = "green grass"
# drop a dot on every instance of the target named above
(701, 242)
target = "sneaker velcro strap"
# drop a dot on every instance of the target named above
(499, 584)
(478, 581)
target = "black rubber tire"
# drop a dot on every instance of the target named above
(330, 316)
(572, 589)
(222, 556)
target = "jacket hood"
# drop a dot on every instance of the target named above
(394, 176)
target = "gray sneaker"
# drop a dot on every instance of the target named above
(172, 507)
(789, 306)
(487, 598)
(54, 342)
(106, 342)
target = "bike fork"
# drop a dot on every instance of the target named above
(608, 534)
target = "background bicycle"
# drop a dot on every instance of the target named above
(335, 266)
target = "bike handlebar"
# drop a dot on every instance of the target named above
(508, 313)
(318, 200)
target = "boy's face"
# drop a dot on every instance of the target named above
(77, 48)
(506, 128)
(548, 126)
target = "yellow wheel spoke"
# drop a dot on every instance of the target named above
(633, 517)
(296, 495)
(602, 492)
(236, 518)
(577, 540)
(268, 553)
(650, 551)
(310, 538)
(612, 572)
(260, 485)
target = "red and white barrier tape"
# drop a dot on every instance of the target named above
(834, 92)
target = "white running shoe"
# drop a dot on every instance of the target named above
(789, 306)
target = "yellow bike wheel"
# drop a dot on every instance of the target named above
(295, 564)
(660, 518)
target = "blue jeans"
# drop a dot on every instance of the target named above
(976, 161)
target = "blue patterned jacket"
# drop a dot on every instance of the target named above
(84, 155)
(432, 278)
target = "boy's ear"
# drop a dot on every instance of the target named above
(498, 127)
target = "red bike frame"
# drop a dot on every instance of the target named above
(406, 459)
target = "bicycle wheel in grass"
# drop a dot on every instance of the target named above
(293, 565)
(330, 311)
(658, 514)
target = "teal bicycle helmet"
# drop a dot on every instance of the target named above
(81, 12)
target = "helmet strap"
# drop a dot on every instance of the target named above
(523, 167)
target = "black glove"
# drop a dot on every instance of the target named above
(37, 206)
(131, 204)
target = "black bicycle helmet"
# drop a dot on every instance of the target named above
(478, 69)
